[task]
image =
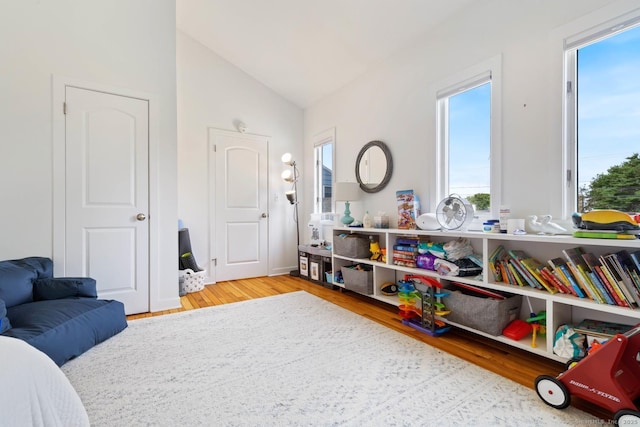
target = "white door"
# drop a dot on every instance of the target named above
(107, 194)
(239, 237)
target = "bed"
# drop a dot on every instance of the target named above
(34, 391)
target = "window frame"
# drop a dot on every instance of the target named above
(571, 45)
(319, 141)
(489, 71)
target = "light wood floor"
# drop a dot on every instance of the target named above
(517, 365)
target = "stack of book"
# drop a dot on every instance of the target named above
(405, 251)
(607, 279)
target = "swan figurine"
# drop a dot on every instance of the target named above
(549, 227)
(534, 225)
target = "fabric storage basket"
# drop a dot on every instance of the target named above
(485, 314)
(352, 246)
(360, 281)
(191, 281)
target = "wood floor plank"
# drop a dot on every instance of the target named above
(512, 363)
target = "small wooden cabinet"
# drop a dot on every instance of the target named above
(560, 308)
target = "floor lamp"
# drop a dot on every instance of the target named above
(291, 176)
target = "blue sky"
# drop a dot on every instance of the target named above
(609, 116)
(608, 103)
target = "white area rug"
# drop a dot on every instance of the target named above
(292, 359)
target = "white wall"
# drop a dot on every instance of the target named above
(212, 93)
(127, 44)
(395, 102)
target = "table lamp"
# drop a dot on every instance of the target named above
(347, 192)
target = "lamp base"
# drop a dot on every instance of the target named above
(347, 218)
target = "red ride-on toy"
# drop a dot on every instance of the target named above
(608, 377)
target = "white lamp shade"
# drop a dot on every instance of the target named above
(287, 176)
(347, 191)
(287, 159)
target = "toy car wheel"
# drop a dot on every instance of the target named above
(552, 392)
(627, 417)
(571, 363)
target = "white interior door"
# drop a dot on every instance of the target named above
(240, 235)
(107, 194)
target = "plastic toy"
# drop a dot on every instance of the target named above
(538, 323)
(608, 377)
(517, 329)
(415, 287)
(374, 248)
(605, 219)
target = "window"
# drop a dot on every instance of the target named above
(602, 111)
(323, 172)
(468, 140)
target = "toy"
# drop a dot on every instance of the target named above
(605, 219)
(608, 377)
(415, 287)
(517, 329)
(538, 323)
(374, 248)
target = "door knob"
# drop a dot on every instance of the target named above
(141, 217)
(264, 215)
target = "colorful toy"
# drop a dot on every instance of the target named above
(374, 248)
(608, 377)
(538, 325)
(423, 319)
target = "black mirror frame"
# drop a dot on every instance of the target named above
(387, 175)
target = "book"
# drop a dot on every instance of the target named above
(493, 260)
(627, 302)
(546, 272)
(519, 273)
(591, 262)
(408, 248)
(610, 262)
(560, 266)
(635, 257)
(576, 265)
(534, 266)
(601, 329)
(516, 257)
(622, 275)
(515, 277)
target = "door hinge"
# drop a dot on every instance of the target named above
(64, 108)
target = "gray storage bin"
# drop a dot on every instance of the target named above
(352, 246)
(484, 314)
(360, 281)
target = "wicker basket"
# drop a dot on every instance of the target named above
(191, 281)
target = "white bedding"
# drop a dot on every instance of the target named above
(34, 391)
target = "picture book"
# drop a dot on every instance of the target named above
(560, 267)
(610, 262)
(577, 267)
(516, 257)
(591, 263)
(534, 266)
(599, 328)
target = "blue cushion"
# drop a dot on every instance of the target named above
(66, 328)
(5, 325)
(64, 287)
(17, 276)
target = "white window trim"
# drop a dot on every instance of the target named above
(319, 139)
(489, 70)
(576, 36)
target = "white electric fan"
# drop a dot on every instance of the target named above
(454, 213)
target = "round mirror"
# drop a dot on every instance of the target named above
(374, 166)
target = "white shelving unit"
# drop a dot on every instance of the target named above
(561, 308)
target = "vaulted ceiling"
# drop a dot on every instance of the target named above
(306, 49)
